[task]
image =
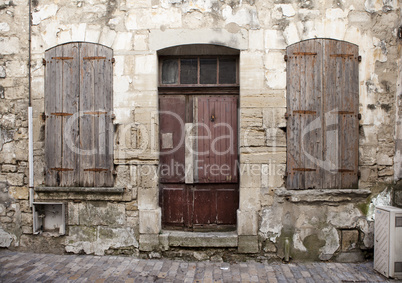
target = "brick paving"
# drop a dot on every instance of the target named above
(29, 267)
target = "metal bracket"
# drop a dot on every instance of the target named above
(285, 58)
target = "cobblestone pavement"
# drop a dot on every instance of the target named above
(29, 267)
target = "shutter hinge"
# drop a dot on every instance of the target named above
(43, 61)
(359, 58)
(96, 169)
(43, 116)
(113, 60)
(62, 169)
(305, 169)
(287, 115)
(285, 58)
(359, 116)
(113, 116)
(359, 174)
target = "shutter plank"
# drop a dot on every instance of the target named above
(312, 103)
(70, 93)
(330, 104)
(52, 127)
(350, 122)
(87, 157)
(102, 122)
(292, 130)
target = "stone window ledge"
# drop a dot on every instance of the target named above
(90, 190)
(323, 195)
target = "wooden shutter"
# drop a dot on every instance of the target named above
(78, 104)
(96, 139)
(322, 108)
(61, 96)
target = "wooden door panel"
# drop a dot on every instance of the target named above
(227, 203)
(217, 139)
(173, 200)
(171, 138)
(213, 198)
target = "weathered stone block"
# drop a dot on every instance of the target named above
(148, 198)
(250, 117)
(148, 176)
(102, 213)
(274, 40)
(150, 221)
(149, 242)
(26, 218)
(5, 239)
(252, 136)
(18, 192)
(249, 199)
(248, 244)
(247, 222)
(349, 240)
(9, 45)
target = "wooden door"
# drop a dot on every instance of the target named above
(198, 161)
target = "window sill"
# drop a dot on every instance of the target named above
(105, 190)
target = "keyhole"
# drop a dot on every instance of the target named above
(212, 118)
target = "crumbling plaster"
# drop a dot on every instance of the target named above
(261, 30)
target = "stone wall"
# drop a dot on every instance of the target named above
(320, 225)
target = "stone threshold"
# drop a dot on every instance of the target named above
(106, 190)
(200, 239)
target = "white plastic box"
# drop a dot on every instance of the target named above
(388, 241)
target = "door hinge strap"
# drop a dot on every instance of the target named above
(96, 169)
(304, 169)
(94, 58)
(95, 113)
(61, 114)
(62, 169)
(342, 112)
(342, 170)
(304, 53)
(304, 112)
(342, 55)
(63, 58)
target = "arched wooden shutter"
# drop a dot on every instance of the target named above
(78, 105)
(322, 110)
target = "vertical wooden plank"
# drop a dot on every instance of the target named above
(330, 120)
(171, 138)
(102, 120)
(350, 124)
(87, 160)
(70, 93)
(234, 154)
(292, 78)
(53, 122)
(312, 100)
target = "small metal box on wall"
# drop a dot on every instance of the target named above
(49, 217)
(388, 241)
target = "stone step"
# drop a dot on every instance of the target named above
(200, 239)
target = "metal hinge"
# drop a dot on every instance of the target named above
(43, 61)
(359, 58)
(96, 169)
(61, 169)
(285, 58)
(287, 115)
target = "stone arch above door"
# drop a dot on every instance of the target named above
(162, 39)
